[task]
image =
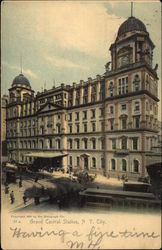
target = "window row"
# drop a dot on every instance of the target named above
(77, 162)
(124, 107)
(123, 123)
(85, 114)
(122, 87)
(83, 144)
(124, 166)
(84, 128)
(124, 143)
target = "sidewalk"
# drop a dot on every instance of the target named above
(105, 183)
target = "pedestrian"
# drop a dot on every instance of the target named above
(20, 183)
(36, 178)
(12, 198)
(24, 199)
(6, 189)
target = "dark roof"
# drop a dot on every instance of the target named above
(131, 24)
(21, 79)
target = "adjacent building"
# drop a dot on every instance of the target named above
(107, 124)
(4, 102)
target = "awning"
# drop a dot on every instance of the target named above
(85, 155)
(45, 154)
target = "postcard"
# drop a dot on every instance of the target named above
(81, 139)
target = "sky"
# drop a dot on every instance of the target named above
(67, 41)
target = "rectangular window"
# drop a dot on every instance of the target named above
(77, 116)
(70, 129)
(58, 129)
(102, 126)
(84, 115)
(123, 85)
(101, 112)
(124, 143)
(123, 107)
(111, 110)
(78, 144)
(78, 160)
(135, 143)
(94, 144)
(137, 122)
(70, 117)
(102, 144)
(70, 160)
(85, 144)
(113, 143)
(119, 87)
(70, 144)
(93, 127)
(111, 124)
(126, 85)
(124, 123)
(137, 106)
(93, 113)
(85, 127)
(77, 128)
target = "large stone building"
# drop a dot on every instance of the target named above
(107, 124)
(4, 102)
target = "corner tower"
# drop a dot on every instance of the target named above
(131, 109)
(20, 102)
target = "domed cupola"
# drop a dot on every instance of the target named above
(131, 24)
(21, 80)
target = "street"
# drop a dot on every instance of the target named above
(48, 179)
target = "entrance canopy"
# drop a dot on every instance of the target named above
(45, 154)
(85, 155)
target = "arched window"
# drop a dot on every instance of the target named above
(93, 162)
(93, 143)
(29, 144)
(58, 144)
(33, 144)
(58, 128)
(113, 165)
(49, 143)
(136, 166)
(70, 143)
(41, 143)
(124, 165)
(85, 143)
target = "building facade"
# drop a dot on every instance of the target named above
(4, 102)
(107, 124)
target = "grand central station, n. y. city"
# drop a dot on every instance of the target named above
(106, 125)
